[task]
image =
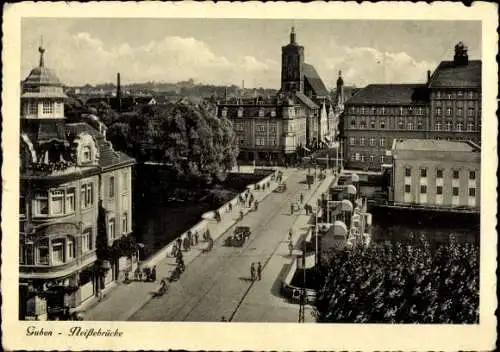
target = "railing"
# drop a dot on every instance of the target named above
(75, 264)
(436, 207)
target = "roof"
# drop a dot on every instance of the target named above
(436, 145)
(315, 81)
(44, 130)
(391, 94)
(42, 76)
(450, 75)
(107, 156)
(44, 95)
(306, 101)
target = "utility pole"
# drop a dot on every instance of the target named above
(303, 291)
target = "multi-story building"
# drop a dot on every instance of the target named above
(447, 107)
(267, 129)
(436, 173)
(378, 114)
(455, 98)
(67, 171)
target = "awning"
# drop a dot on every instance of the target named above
(310, 262)
(339, 228)
(351, 189)
(354, 178)
(346, 205)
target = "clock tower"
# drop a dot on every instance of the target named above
(292, 65)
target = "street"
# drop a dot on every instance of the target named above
(216, 284)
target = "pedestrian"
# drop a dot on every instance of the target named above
(252, 272)
(290, 233)
(259, 271)
(153, 274)
(291, 209)
(301, 198)
(196, 237)
(190, 237)
(290, 247)
(223, 317)
(179, 243)
(137, 273)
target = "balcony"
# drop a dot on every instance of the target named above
(56, 271)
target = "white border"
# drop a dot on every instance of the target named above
(238, 336)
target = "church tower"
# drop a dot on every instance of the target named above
(292, 65)
(340, 92)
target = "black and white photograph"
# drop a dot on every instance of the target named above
(227, 169)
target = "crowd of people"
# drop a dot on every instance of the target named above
(403, 283)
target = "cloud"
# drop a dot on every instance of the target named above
(81, 58)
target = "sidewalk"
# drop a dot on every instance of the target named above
(126, 298)
(264, 302)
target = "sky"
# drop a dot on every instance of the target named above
(230, 51)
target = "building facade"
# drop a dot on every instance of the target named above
(447, 107)
(68, 170)
(436, 173)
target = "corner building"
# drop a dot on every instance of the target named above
(437, 173)
(66, 170)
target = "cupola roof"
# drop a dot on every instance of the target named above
(41, 75)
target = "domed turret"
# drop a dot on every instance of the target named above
(42, 93)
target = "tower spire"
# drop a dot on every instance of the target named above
(41, 50)
(292, 36)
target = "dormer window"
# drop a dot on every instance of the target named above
(273, 113)
(224, 112)
(240, 112)
(261, 112)
(86, 154)
(32, 108)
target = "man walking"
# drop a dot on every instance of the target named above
(291, 209)
(259, 271)
(290, 247)
(301, 198)
(252, 272)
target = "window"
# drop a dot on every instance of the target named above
(71, 248)
(460, 103)
(472, 192)
(70, 200)
(22, 206)
(382, 123)
(357, 157)
(401, 124)
(423, 189)
(86, 153)
(460, 93)
(460, 126)
(362, 124)
(420, 111)
(362, 157)
(242, 140)
(438, 126)
(409, 125)
(86, 195)
(41, 203)
(407, 172)
(439, 173)
(472, 175)
(423, 172)
(353, 122)
(382, 110)
(87, 240)
(362, 140)
(111, 189)
(111, 229)
(382, 142)
(273, 113)
(407, 189)
(372, 141)
(240, 112)
(125, 223)
(57, 202)
(47, 107)
(401, 111)
(57, 251)
(259, 141)
(382, 158)
(455, 191)
(260, 127)
(261, 112)
(460, 112)
(372, 124)
(43, 253)
(438, 111)
(272, 128)
(419, 125)
(471, 112)
(471, 95)
(224, 112)
(372, 158)
(32, 108)
(362, 110)
(438, 94)
(272, 141)
(470, 126)
(456, 174)
(124, 181)
(448, 111)
(439, 190)
(448, 126)
(352, 140)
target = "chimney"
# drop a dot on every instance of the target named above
(428, 76)
(118, 92)
(461, 57)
